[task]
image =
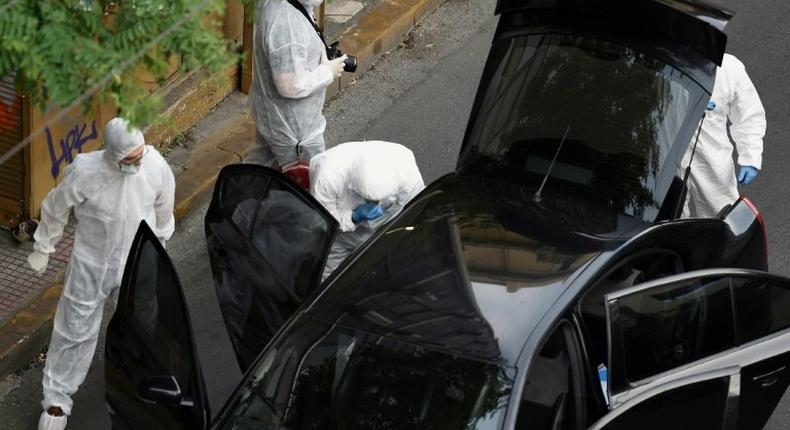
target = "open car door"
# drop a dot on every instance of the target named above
(268, 241)
(152, 374)
(688, 324)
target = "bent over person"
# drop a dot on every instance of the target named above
(363, 185)
(110, 191)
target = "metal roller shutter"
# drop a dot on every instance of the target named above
(12, 173)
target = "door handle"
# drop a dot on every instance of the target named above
(767, 379)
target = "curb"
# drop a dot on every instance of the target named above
(379, 32)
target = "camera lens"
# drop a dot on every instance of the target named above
(350, 65)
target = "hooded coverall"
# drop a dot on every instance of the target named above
(108, 206)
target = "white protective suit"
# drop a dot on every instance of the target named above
(354, 173)
(108, 206)
(712, 183)
(288, 88)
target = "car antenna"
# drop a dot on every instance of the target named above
(687, 173)
(536, 197)
(693, 149)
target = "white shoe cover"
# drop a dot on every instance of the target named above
(50, 422)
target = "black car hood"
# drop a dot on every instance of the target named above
(469, 268)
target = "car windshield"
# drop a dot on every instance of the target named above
(323, 376)
(583, 118)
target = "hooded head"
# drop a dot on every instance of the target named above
(120, 140)
(374, 177)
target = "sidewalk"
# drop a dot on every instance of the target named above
(366, 28)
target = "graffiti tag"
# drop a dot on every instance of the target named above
(74, 140)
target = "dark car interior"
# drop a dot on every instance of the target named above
(643, 267)
(547, 388)
(552, 389)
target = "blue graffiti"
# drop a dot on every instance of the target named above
(74, 140)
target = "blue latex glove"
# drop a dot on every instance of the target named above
(747, 174)
(367, 211)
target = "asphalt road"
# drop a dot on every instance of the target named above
(760, 37)
(420, 95)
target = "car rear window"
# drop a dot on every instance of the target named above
(583, 118)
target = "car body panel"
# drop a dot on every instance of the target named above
(151, 334)
(462, 269)
(267, 241)
(720, 400)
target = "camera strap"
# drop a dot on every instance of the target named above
(300, 8)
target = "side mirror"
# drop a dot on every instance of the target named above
(162, 389)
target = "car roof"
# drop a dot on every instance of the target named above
(470, 267)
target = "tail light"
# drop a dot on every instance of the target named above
(760, 219)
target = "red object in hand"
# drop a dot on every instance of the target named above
(299, 172)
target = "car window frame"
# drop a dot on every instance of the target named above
(735, 351)
(730, 407)
(617, 375)
(198, 404)
(582, 323)
(220, 214)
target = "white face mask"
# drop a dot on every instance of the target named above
(129, 169)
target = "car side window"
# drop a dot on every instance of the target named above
(699, 406)
(661, 328)
(153, 302)
(644, 267)
(762, 307)
(551, 391)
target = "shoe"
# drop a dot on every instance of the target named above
(51, 422)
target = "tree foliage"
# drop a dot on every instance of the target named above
(62, 48)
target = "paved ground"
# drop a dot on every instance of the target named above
(759, 36)
(420, 96)
(18, 284)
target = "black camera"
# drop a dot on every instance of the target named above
(350, 65)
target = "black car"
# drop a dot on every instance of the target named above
(548, 283)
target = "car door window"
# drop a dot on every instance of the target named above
(698, 406)
(762, 306)
(657, 329)
(150, 336)
(268, 241)
(635, 269)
